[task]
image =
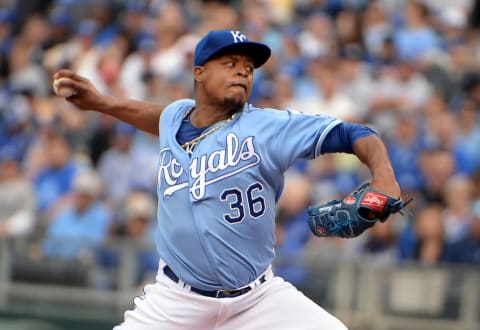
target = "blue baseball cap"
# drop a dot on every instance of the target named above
(221, 42)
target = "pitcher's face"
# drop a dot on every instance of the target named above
(227, 78)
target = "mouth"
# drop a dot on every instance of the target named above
(241, 85)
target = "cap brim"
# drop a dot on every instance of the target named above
(260, 53)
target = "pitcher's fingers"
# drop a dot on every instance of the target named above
(78, 86)
(64, 82)
(63, 73)
(66, 73)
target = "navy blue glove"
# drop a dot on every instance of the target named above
(354, 214)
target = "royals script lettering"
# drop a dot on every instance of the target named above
(208, 168)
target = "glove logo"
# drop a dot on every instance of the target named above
(320, 230)
(374, 201)
(349, 200)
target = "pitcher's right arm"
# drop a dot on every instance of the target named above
(143, 115)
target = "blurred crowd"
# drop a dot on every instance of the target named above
(78, 180)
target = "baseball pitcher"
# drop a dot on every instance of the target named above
(220, 174)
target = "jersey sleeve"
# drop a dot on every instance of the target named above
(300, 136)
(342, 137)
(169, 112)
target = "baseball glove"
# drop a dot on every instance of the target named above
(354, 214)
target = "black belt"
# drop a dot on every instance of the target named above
(215, 294)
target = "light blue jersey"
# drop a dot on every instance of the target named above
(218, 231)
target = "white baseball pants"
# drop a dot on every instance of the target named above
(272, 305)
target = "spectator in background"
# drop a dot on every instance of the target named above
(104, 14)
(356, 81)
(348, 30)
(331, 179)
(102, 137)
(258, 23)
(116, 166)
(77, 128)
(17, 121)
(140, 211)
(455, 134)
(467, 138)
(290, 59)
(53, 182)
(139, 215)
(422, 240)
(334, 101)
(6, 39)
(458, 215)
(471, 85)
(17, 198)
(437, 165)
(452, 22)
(316, 39)
(404, 146)
(137, 68)
(439, 126)
(376, 28)
(399, 88)
(476, 193)
(171, 44)
(385, 59)
(381, 243)
(76, 49)
(291, 233)
(281, 91)
(135, 227)
(79, 52)
(326, 96)
(145, 158)
(132, 23)
(458, 69)
(218, 15)
(61, 23)
(467, 250)
(431, 236)
(108, 67)
(102, 64)
(416, 38)
(26, 72)
(82, 225)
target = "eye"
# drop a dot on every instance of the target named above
(249, 69)
(230, 64)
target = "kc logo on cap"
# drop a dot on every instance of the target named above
(238, 36)
(221, 42)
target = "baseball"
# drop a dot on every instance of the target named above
(62, 91)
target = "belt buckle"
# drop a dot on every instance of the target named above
(231, 293)
(237, 292)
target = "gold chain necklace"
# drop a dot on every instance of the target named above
(190, 145)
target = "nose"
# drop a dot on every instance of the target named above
(242, 72)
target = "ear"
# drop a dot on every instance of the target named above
(198, 73)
